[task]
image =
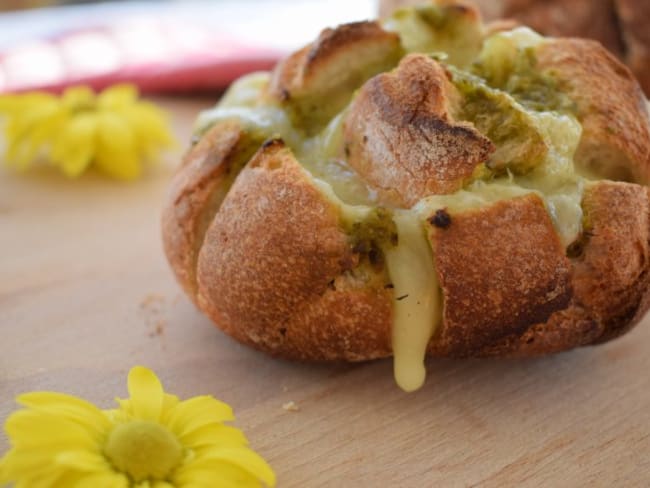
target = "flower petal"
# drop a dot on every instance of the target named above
(101, 480)
(69, 407)
(215, 474)
(196, 412)
(27, 132)
(151, 127)
(242, 457)
(119, 95)
(116, 153)
(213, 435)
(73, 150)
(146, 393)
(31, 468)
(162, 484)
(84, 461)
(15, 104)
(28, 428)
(78, 97)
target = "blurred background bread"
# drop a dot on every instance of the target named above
(622, 26)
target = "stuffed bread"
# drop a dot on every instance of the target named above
(420, 186)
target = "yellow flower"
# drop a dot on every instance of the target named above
(153, 440)
(113, 131)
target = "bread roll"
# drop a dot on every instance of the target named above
(423, 185)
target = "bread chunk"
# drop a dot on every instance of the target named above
(401, 137)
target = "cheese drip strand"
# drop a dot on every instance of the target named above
(417, 308)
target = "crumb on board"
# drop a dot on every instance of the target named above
(290, 407)
(285, 388)
(158, 328)
(151, 299)
(153, 308)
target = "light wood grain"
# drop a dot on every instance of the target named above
(85, 293)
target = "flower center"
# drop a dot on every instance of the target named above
(143, 449)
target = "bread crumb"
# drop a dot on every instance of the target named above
(159, 328)
(285, 388)
(152, 299)
(290, 407)
(153, 308)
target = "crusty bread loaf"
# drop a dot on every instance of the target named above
(622, 26)
(476, 204)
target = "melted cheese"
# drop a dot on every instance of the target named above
(417, 307)
(246, 91)
(556, 178)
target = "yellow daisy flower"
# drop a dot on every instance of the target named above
(153, 440)
(113, 131)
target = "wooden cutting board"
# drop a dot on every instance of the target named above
(85, 293)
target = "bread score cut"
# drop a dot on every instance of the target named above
(458, 210)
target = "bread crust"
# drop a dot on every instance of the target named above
(615, 139)
(401, 138)
(610, 276)
(501, 268)
(195, 193)
(317, 81)
(282, 277)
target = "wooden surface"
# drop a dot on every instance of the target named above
(85, 293)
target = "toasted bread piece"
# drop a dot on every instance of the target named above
(400, 136)
(610, 276)
(611, 273)
(317, 81)
(501, 269)
(278, 268)
(615, 142)
(196, 192)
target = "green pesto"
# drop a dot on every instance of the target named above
(520, 146)
(441, 19)
(534, 89)
(374, 233)
(439, 28)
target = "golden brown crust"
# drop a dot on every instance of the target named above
(317, 81)
(195, 193)
(401, 138)
(275, 275)
(501, 269)
(610, 276)
(615, 141)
